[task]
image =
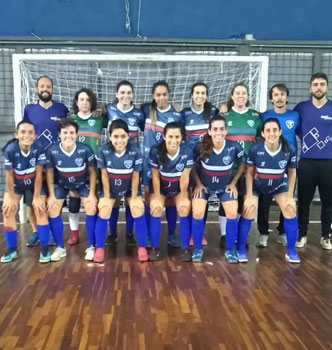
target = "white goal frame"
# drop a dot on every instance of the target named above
(18, 58)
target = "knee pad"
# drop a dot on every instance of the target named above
(74, 205)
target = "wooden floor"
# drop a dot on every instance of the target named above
(167, 305)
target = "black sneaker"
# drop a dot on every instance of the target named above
(154, 254)
(186, 255)
(130, 240)
(111, 238)
(222, 243)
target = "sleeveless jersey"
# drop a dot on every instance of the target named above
(71, 170)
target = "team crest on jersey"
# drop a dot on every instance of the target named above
(289, 124)
(131, 121)
(79, 161)
(91, 122)
(251, 123)
(226, 160)
(230, 123)
(179, 167)
(282, 164)
(32, 162)
(128, 163)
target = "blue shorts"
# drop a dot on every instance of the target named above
(27, 193)
(283, 187)
(125, 194)
(61, 192)
(146, 173)
(223, 196)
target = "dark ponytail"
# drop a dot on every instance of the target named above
(207, 111)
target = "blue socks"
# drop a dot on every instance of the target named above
(56, 225)
(90, 225)
(231, 233)
(101, 232)
(291, 228)
(155, 231)
(141, 230)
(171, 216)
(114, 219)
(44, 235)
(198, 231)
(129, 221)
(184, 228)
(147, 215)
(11, 239)
(244, 226)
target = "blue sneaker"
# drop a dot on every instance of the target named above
(33, 240)
(45, 258)
(242, 257)
(231, 256)
(292, 257)
(197, 255)
(173, 240)
(9, 256)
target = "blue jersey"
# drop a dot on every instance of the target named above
(196, 124)
(316, 130)
(24, 164)
(216, 171)
(153, 133)
(270, 168)
(133, 117)
(45, 120)
(71, 170)
(171, 172)
(289, 122)
(120, 167)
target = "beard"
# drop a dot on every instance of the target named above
(320, 96)
(45, 98)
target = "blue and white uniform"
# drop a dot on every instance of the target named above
(45, 121)
(270, 168)
(171, 172)
(120, 168)
(196, 124)
(133, 117)
(24, 165)
(153, 134)
(216, 171)
(289, 123)
(71, 170)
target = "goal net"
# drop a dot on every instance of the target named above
(102, 72)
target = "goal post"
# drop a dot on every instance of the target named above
(101, 73)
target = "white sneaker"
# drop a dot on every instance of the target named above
(326, 243)
(300, 243)
(89, 253)
(262, 241)
(282, 240)
(58, 254)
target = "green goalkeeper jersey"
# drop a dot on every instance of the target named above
(89, 130)
(243, 127)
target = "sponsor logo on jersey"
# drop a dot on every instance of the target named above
(293, 159)
(326, 117)
(262, 163)
(282, 164)
(59, 162)
(81, 151)
(79, 161)
(260, 153)
(226, 160)
(183, 157)
(19, 165)
(128, 163)
(32, 161)
(289, 124)
(122, 193)
(251, 123)
(179, 167)
(91, 122)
